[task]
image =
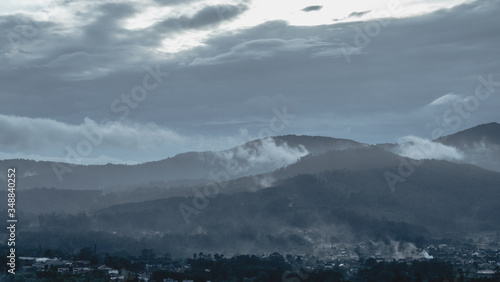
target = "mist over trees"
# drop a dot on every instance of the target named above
(334, 195)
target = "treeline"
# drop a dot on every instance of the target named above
(274, 267)
(433, 270)
(48, 200)
(54, 276)
(218, 268)
(278, 268)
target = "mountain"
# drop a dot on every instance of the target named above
(316, 144)
(49, 200)
(356, 159)
(186, 169)
(438, 192)
(485, 134)
(290, 193)
(306, 213)
(362, 158)
(480, 145)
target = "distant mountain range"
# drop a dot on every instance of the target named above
(484, 134)
(309, 212)
(255, 157)
(479, 145)
(300, 193)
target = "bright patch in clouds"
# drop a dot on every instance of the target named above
(261, 11)
(150, 13)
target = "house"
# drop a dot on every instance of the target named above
(81, 270)
(81, 263)
(63, 270)
(56, 263)
(113, 272)
(104, 267)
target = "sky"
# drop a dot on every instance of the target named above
(134, 81)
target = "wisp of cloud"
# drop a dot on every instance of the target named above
(419, 148)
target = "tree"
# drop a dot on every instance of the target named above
(147, 255)
(84, 253)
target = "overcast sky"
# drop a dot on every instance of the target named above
(132, 81)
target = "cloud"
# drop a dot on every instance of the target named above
(205, 17)
(446, 99)
(312, 8)
(73, 63)
(264, 180)
(262, 154)
(216, 14)
(337, 52)
(107, 22)
(358, 14)
(419, 148)
(86, 56)
(269, 152)
(260, 49)
(482, 153)
(88, 139)
(174, 2)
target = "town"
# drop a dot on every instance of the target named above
(343, 263)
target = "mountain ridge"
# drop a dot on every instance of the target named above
(188, 168)
(255, 157)
(487, 132)
(319, 199)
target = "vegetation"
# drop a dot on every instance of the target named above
(274, 267)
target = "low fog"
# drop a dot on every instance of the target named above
(419, 148)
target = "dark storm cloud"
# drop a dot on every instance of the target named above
(395, 71)
(214, 14)
(175, 2)
(208, 16)
(312, 8)
(357, 14)
(108, 22)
